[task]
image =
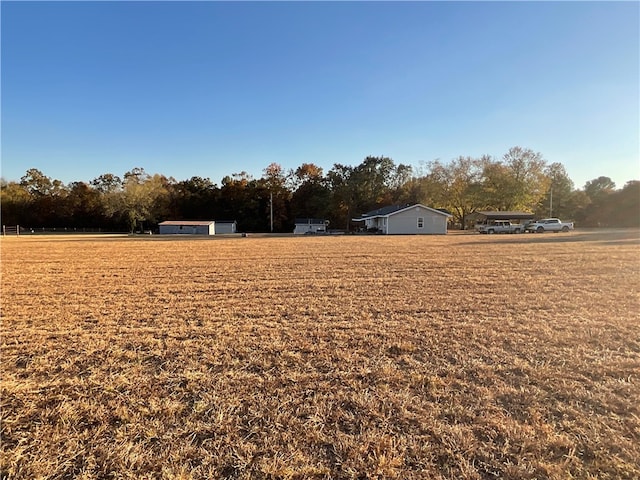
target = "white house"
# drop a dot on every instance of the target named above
(406, 220)
(309, 225)
(188, 227)
(224, 226)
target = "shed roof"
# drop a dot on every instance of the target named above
(189, 223)
(506, 215)
(309, 221)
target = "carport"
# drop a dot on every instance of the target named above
(486, 217)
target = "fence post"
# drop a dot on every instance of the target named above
(17, 230)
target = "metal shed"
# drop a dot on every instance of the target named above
(487, 217)
(226, 226)
(187, 227)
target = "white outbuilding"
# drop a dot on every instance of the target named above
(405, 220)
(187, 227)
(309, 226)
(225, 226)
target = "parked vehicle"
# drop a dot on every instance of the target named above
(501, 226)
(549, 225)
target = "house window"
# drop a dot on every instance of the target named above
(420, 222)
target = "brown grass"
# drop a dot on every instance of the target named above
(461, 356)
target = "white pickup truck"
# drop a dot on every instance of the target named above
(501, 226)
(549, 225)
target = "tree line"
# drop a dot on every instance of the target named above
(520, 180)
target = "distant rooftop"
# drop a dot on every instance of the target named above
(190, 223)
(309, 221)
(384, 211)
(506, 215)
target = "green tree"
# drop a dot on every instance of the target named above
(371, 183)
(307, 172)
(342, 195)
(425, 188)
(36, 183)
(517, 182)
(242, 198)
(141, 199)
(15, 204)
(610, 207)
(599, 188)
(398, 183)
(597, 212)
(48, 197)
(107, 183)
(560, 200)
(374, 183)
(578, 206)
(109, 186)
(459, 186)
(274, 182)
(194, 199)
(311, 195)
(625, 205)
(85, 206)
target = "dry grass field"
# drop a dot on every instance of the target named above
(347, 357)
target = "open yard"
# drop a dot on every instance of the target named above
(347, 357)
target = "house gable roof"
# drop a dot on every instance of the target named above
(394, 209)
(381, 212)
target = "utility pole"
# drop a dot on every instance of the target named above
(271, 210)
(551, 203)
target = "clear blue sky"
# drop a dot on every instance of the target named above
(211, 89)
